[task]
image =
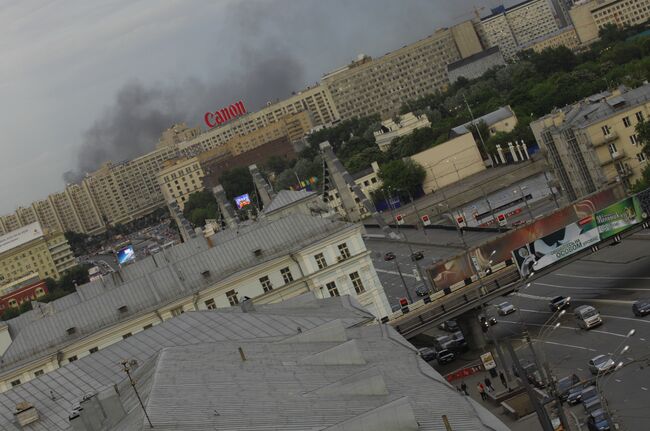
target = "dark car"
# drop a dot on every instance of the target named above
(417, 255)
(574, 395)
(449, 326)
(445, 356)
(559, 303)
(641, 307)
(389, 256)
(597, 421)
(427, 353)
(421, 290)
(565, 384)
(532, 374)
(487, 321)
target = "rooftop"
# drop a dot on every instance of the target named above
(489, 119)
(285, 198)
(472, 58)
(305, 364)
(20, 236)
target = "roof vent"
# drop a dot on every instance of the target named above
(123, 309)
(247, 305)
(25, 413)
(257, 252)
(71, 331)
(206, 273)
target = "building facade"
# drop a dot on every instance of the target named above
(475, 66)
(510, 28)
(176, 134)
(406, 125)
(591, 16)
(179, 179)
(566, 37)
(368, 181)
(593, 144)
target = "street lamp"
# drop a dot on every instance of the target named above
(523, 196)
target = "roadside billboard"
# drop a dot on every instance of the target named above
(242, 201)
(618, 217)
(125, 255)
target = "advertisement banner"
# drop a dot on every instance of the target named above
(556, 246)
(242, 201)
(618, 217)
(488, 361)
(125, 255)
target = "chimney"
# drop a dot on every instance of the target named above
(264, 190)
(247, 305)
(25, 413)
(227, 211)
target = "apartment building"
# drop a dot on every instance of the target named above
(176, 134)
(269, 261)
(591, 16)
(510, 28)
(592, 144)
(47, 216)
(28, 250)
(381, 86)
(85, 209)
(567, 37)
(179, 178)
(9, 222)
(406, 124)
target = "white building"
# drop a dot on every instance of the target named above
(269, 261)
(405, 125)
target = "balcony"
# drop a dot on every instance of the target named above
(601, 140)
(613, 157)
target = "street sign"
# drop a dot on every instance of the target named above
(426, 220)
(400, 219)
(395, 202)
(488, 361)
(502, 220)
(461, 221)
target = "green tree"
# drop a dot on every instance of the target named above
(200, 206)
(236, 182)
(10, 313)
(642, 131)
(276, 164)
(400, 174)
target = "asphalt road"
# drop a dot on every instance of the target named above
(610, 280)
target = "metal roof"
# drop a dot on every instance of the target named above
(309, 365)
(164, 277)
(285, 198)
(489, 119)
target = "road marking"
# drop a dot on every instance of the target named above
(535, 311)
(591, 288)
(626, 318)
(601, 277)
(548, 298)
(573, 328)
(644, 388)
(527, 295)
(566, 345)
(405, 274)
(617, 380)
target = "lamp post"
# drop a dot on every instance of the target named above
(523, 196)
(471, 114)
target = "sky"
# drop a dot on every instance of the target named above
(83, 82)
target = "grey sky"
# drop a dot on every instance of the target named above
(79, 74)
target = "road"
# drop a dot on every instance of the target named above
(610, 280)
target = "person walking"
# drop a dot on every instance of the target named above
(481, 390)
(488, 384)
(504, 382)
(463, 387)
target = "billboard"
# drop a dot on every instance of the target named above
(125, 255)
(242, 201)
(618, 217)
(552, 248)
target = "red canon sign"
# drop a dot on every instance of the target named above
(217, 118)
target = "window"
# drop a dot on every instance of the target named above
(210, 305)
(357, 283)
(38, 373)
(266, 283)
(93, 350)
(232, 297)
(634, 139)
(15, 382)
(127, 335)
(286, 275)
(177, 311)
(639, 116)
(606, 130)
(332, 289)
(373, 180)
(641, 157)
(320, 260)
(72, 358)
(145, 327)
(344, 250)
(627, 122)
(612, 149)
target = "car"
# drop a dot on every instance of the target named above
(487, 321)
(454, 342)
(395, 307)
(445, 356)
(389, 256)
(417, 255)
(559, 303)
(641, 307)
(565, 384)
(601, 364)
(532, 374)
(597, 421)
(505, 308)
(449, 326)
(591, 404)
(427, 353)
(574, 395)
(421, 290)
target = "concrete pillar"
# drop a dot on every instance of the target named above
(524, 148)
(227, 211)
(471, 326)
(512, 152)
(519, 151)
(502, 158)
(264, 190)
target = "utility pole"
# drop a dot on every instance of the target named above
(471, 114)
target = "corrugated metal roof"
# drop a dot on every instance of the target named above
(489, 119)
(285, 198)
(172, 275)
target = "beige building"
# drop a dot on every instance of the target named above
(592, 144)
(47, 216)
(516, 26)
(28, 250)
(566, 37)
(503, 120)
(179, 178)
(9, 222)
(85, 209)
(178, 133)
(391, 130)
(449, 162)
(591, 16)
(368, 181)
(381, 86)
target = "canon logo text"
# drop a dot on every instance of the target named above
(217, 118)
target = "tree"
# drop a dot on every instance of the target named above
(199, 207)
(236, 182)
(78, 242)
(642, 130)
(276, 164)
(405, 175)
(644, 182)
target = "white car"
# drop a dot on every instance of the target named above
(505, 308)
(601, 364)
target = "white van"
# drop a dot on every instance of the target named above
(587, 316)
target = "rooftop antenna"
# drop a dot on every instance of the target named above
(127, 369)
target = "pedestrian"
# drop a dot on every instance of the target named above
(481, 390)
(488, 384)
(504, 382)
(463, 387)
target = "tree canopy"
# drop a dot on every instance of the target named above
(402, 175)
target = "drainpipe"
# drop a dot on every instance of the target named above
(195, 300)
(302, 274)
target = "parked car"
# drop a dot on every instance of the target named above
(597, 421)
(587, 316)
(565, 384)
(559, 303)
(641, 307)
(427, 353)
(601, 364)
(389, 256)
(591, 404)
(417, 255)
(532, 374)
(454, 342)
(395, 307)
(449, 326)
(505, 308)
(445, 356)
(421, 290)
(574, 396)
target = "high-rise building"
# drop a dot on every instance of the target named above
(178, 133)
(85, 208)
(66, 213)
(510, 28)
(179, 178)
(47, 216)
(591, 16)
(593, 144)
(9, 222)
